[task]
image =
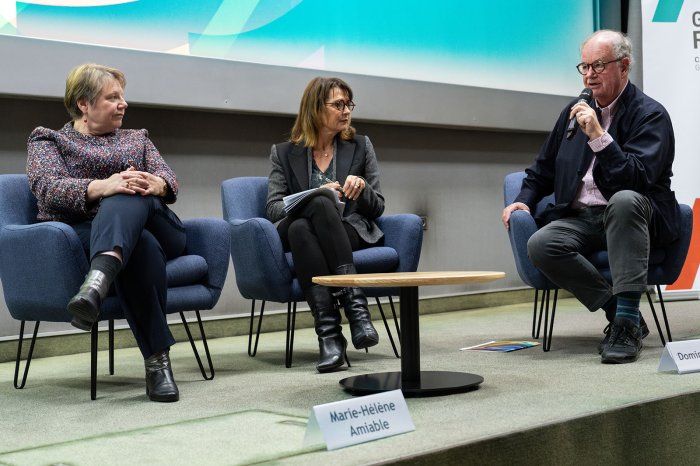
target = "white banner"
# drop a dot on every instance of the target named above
(671, 56)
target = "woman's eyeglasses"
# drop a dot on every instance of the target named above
(341, 104)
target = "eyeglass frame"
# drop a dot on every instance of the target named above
(341, 104)
(596, 63)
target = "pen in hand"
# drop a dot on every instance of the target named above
(329, 181)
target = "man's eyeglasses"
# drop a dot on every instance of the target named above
(598, 66)
(341, 104)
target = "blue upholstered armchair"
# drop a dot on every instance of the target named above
(265, 272)
(42, 265)
(665, 263)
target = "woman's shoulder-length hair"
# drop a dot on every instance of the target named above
(311, 108)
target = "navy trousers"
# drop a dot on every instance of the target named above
(148, 234)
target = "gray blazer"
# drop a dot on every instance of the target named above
(290, 174)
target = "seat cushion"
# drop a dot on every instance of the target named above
(379, 259)
(186, 270)
(376, 260)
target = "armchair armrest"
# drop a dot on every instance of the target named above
(522, 227)
(42, 265)
(404, 233)
(211, 239)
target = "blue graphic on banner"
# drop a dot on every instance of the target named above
(667, 11)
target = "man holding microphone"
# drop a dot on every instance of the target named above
(608, 162)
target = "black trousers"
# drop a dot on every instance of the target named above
(318, 239)
(148, 234)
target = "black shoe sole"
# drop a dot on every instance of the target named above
(163, 398)
(366, 342)
(620, 360)
(334, 367)
(81, 324)
(83, 309)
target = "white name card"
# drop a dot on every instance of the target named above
(681, 356)
(357, 420)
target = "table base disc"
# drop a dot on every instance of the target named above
(431, 383)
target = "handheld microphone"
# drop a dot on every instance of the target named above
(585, 96)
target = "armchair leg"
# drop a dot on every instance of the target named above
(663, 313)
(250, 331)
(537, 324)
(29, 354)
(535, 328)
(111, 346)
(291, 323)
(386, 324)
(396, 321)
(194, 347)
(93, 362)
(548, 322)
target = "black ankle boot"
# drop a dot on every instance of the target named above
(160, 384)
(85, 306)
(354, 302)
(331, 343)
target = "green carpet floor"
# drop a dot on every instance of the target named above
(255, 410)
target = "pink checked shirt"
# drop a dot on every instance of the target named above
(588, 194)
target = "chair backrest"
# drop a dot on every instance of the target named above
(675, 253)
(17, 203)
(244, 197)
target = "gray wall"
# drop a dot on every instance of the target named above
(454, 176)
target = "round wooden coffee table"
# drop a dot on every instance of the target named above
(411, 380)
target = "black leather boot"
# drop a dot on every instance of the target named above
(331, 342)
(85, 306)
(354, 302)
(160, 383)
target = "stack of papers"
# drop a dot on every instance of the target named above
(298, 200)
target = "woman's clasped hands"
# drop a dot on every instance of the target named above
(132, 181)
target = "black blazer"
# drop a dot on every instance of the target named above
(291, 174)
(638, 159)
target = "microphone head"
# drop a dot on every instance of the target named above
(586, 94)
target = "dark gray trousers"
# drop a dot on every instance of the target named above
(559, 249)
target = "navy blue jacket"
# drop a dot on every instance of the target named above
(638, 159)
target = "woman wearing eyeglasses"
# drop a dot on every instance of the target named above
(324, 152)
